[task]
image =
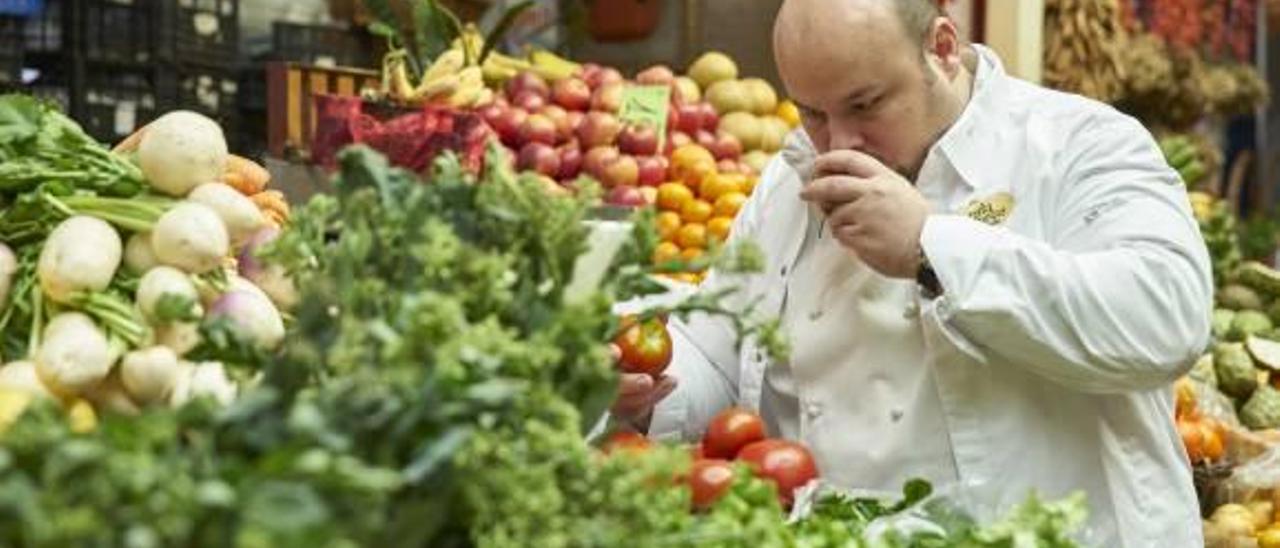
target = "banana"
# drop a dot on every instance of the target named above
(443, 86)
(449, 62)
(496, 72)
(1193, 173)
(486, 96)
(400, 87)
(552, 66)
(466, 96)
(1182, 157)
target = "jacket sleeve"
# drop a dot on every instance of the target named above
(1116, 298)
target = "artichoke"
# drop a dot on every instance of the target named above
(1248, 323)
(1239, 297)
(1222, 322)
(1237, 377)
(1262, 411)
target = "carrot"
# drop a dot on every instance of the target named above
(245, 175)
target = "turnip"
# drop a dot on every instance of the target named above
(182, 150)
(149, 375)
(74, 354)
(191, 237)
(110, 395)
(205, 379)
(81, 254)
(138, 257)
(252, 316)
(21, 376)
(8, 266)
(179, 337)
(159, 282)
(272, 279)
(241, 217)
(210, 379)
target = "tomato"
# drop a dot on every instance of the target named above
(646, 347)
(626, 441)
(709, 479)
(787, 464)
(730, 431)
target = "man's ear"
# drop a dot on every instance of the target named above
(944, 47)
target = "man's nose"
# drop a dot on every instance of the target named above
(845, 137)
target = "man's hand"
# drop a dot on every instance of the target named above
(871, 210)
(637, 396)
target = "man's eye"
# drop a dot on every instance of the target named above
(863, 106)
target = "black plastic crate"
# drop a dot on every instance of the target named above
(201, 32)
(320, 45)
(118, 30)
(10, 50)
(113, 102)
(45, 32)
(209, 91)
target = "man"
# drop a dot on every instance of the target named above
(984, 282)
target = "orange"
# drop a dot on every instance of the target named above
(730, 204)
(789, 113)
(718, 228)
(749, 185)
(665, 252)
(696, 211)
(668, 223)
(688, 155)
(672, 196)
(693, 174)
(692, 254)
(720, 184)
(692, 235)
(687, 277)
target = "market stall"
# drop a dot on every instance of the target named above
(385, 315)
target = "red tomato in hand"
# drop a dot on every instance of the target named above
(788, 464)
(645, 347)
(730, 431)
(709, 479)
(626, 441)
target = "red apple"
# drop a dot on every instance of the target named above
(590, 74)
(688, 118)
(653, 170)
(538, 128)
(710, 119)
(509, 124)
(626, 196)
(726, 147)
(570, 161)
(528, 82)
(623, 171)
(572, 94)
(492, 113)
(529, 100)
(705, 139)
(574, 120)
(601, 76)
(728, 166)
(597, 159)
(657, 75)
(599, 129)
(608, 98)
(639, 139)
(560, 118)
(676, 140)
(539, 157)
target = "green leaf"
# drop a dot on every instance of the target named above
(499, 30)
(175, 308)
(435, 29)
(19, 118)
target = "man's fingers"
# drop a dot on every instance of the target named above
(635, 385)
(847, 162)
(835, 189)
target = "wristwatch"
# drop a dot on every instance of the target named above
(927, 278)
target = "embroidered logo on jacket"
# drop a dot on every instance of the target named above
(993, 210)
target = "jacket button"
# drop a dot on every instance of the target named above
(814, 410)
(815, 315)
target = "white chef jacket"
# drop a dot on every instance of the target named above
(1060, 329)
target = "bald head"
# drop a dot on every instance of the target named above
(879, 76)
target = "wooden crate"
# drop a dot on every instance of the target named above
(291, 110)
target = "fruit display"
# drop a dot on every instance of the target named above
(1084, 43)
(130, 276)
